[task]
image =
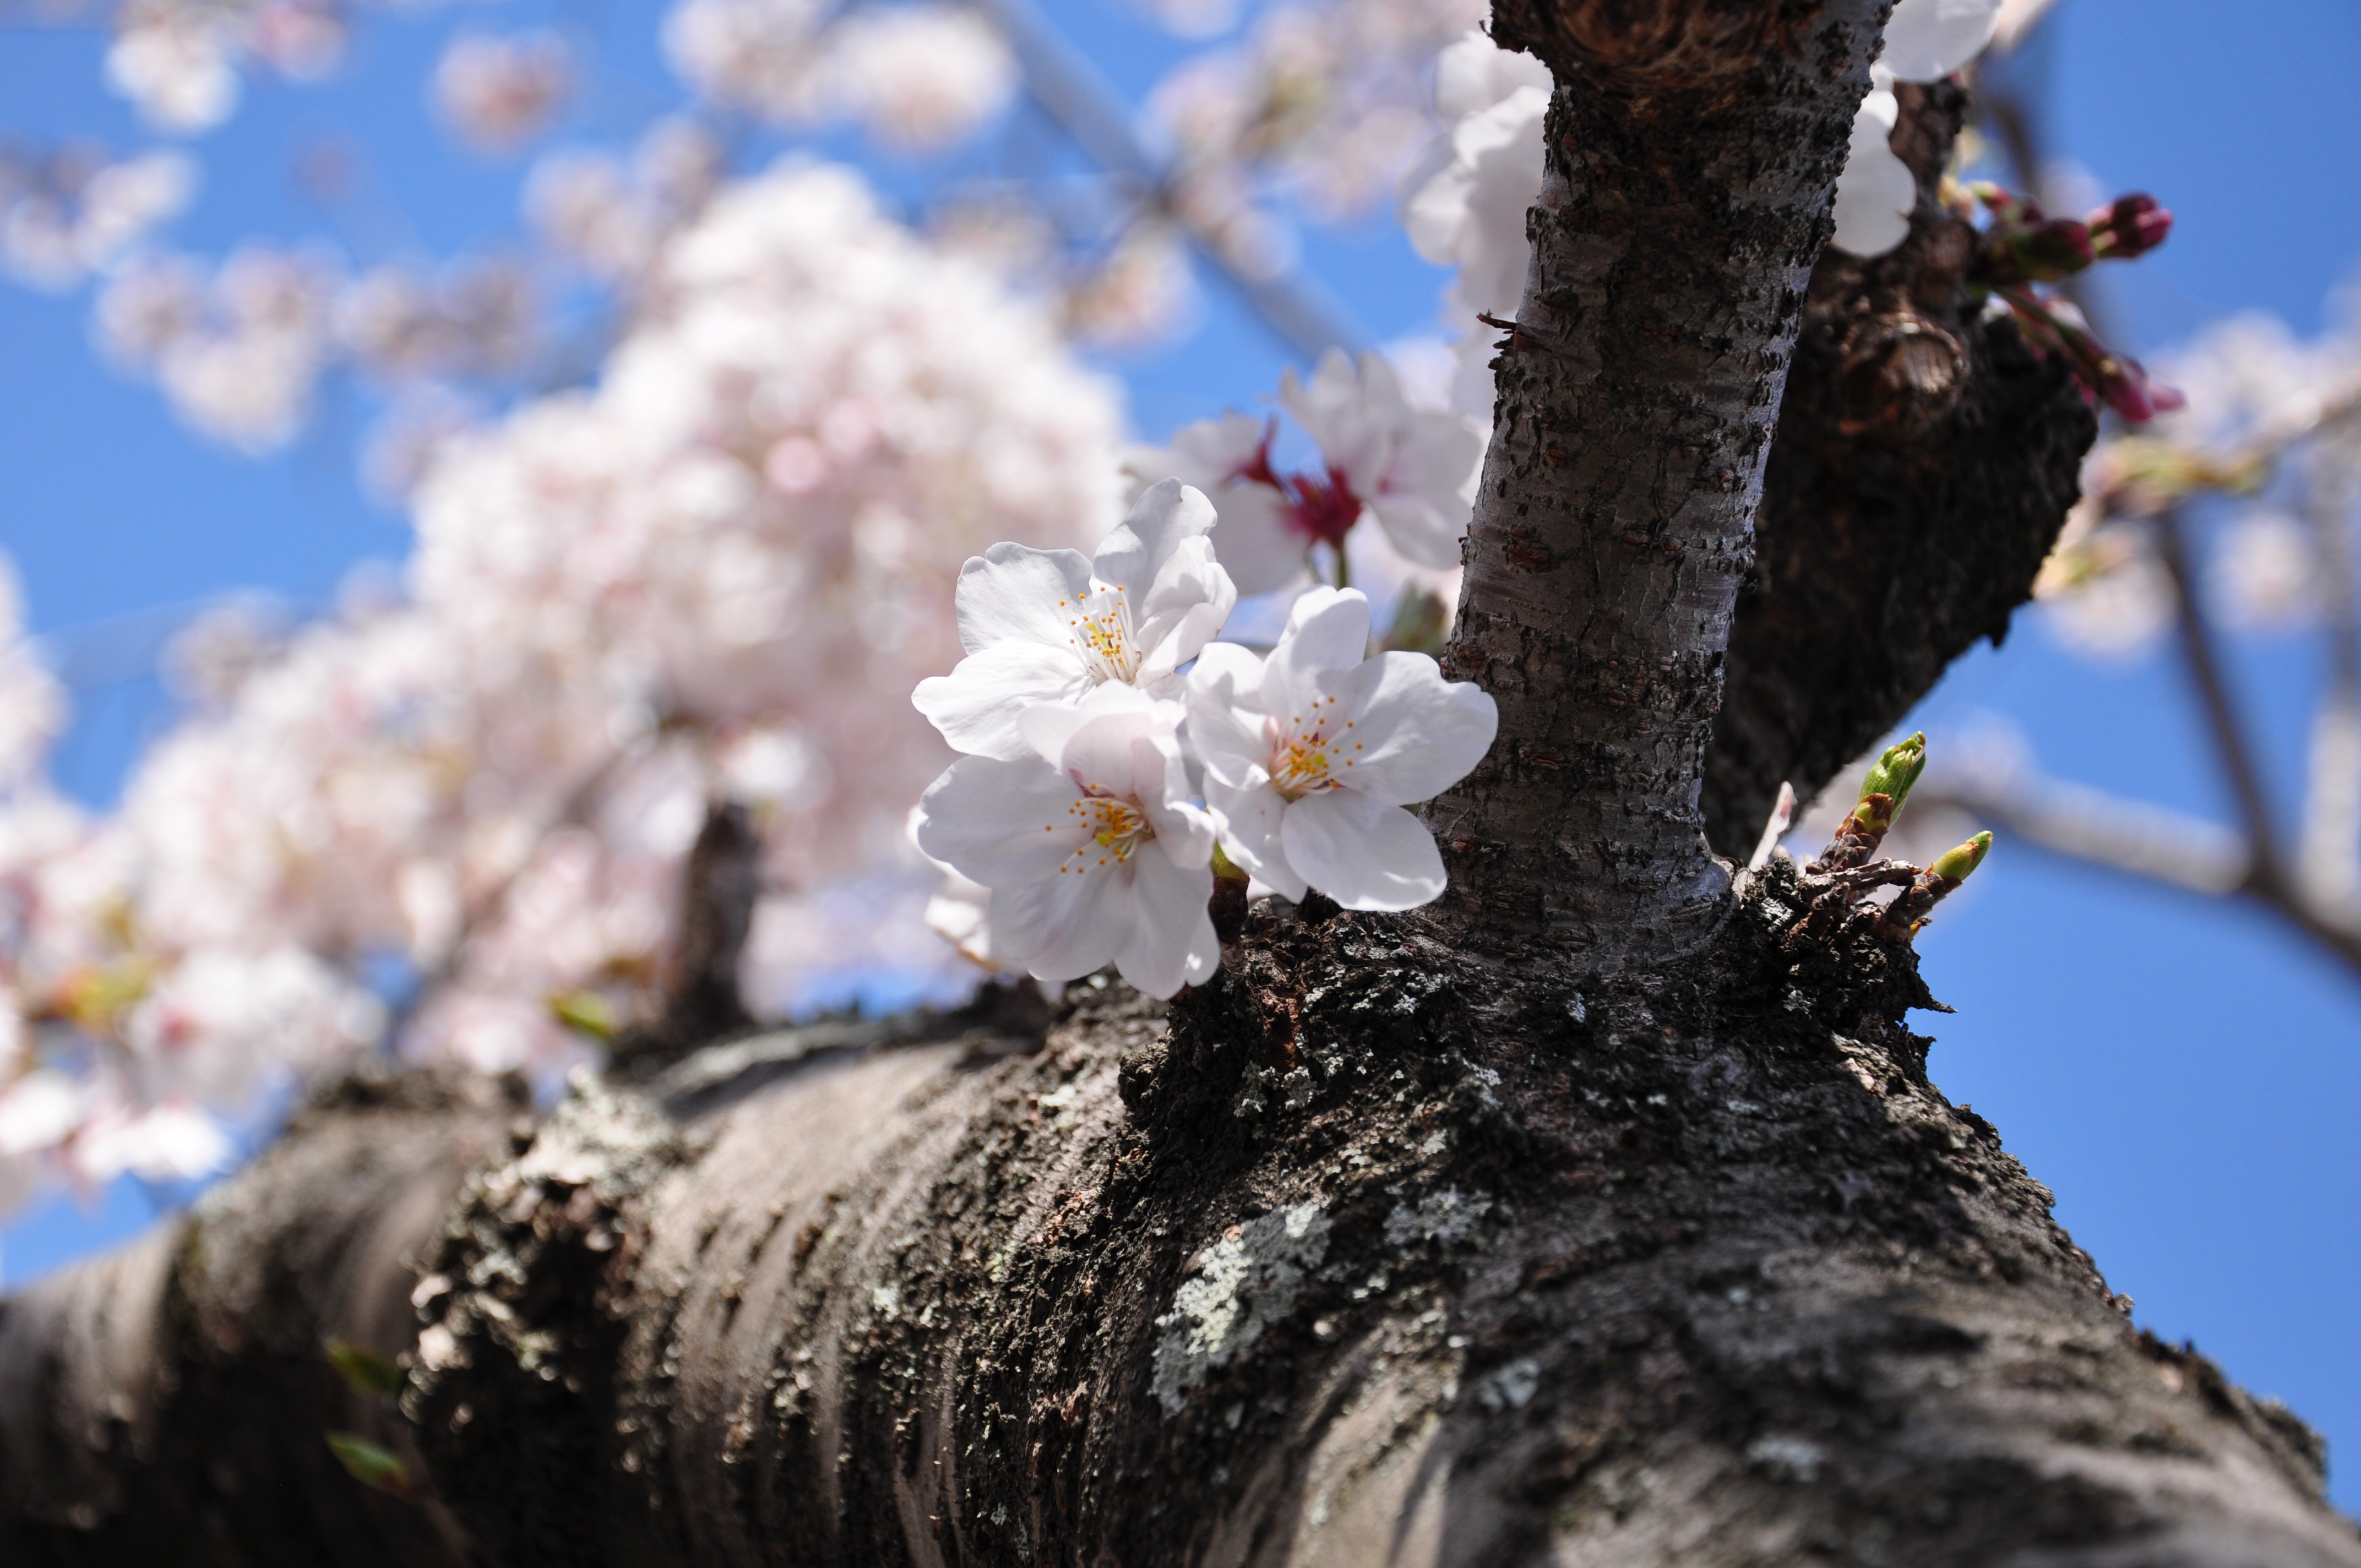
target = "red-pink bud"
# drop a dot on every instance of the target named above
(2133, 226)
(2125, 383)
(2051, 249)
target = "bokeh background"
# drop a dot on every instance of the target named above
(2184, 1073)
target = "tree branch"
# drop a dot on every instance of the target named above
(1691, 151)
(2150, 842)
(1924, 465)
(171, 1403)
(2330, 841)
(1294, 305)
(2101, 830)
(2203, 667)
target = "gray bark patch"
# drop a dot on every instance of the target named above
(1245, 1282)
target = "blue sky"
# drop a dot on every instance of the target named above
(2182, 1074)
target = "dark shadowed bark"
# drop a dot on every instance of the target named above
(1596, 1216)
(720, 883)
(1924, 460)
(172, 1403)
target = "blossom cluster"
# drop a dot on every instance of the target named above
(919, 76)
(499, 93)
(1926, 40)
(2268, 427)
(182, 63)
(1411, 468)
(1111, 745)
(712, 576)
(72, 211)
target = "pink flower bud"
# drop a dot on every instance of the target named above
(2054, 248)
(2133, 226)
(2124, 384)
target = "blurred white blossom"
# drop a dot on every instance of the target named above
(2267, 572)
(499, 93)
(919, 77)
(1877, 191)
(73, 213)
(713, 575)
(32, 704)
(177, 63)
(1321, 102)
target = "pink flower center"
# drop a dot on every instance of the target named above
(1321, 509)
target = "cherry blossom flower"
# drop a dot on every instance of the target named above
(920, 77)
(177, 63)
(1465, 203)
(71, 213)
(237, 354)
(917, 76)
(1091, 846)
(1926, 40)
(1877, 191)
(1318, 98)
(1413, 468)
(32, 704)
(499, 93)
(750, 54)
(173, 1141)
(1047, 626)
(1310, 754)
(1262, 542)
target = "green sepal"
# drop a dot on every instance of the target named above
(375, 1467)
(586, 1011)
(366, 1370)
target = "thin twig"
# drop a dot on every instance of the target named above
(2331, 845)
(1070, 90)
(2204, 665)
(2085, 824)
(2188, 853)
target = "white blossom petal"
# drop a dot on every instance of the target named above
(1062, 927)
(1184, 832)
(1172, 943)
(1226, 720)
(1876, 193)
(1422, 530)
(1255, 545)
(1015, 593)
(977, 705)
(1133, 555)
(1089, 741)
(1327, 636)
(1334, 410)
(1926, 40)
(1361, 852)
(1418, 734)
(1185, 608)
(1247, 815)
(999, 822)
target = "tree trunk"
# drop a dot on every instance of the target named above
(1599, 1215)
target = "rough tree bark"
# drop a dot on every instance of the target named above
(1923, 465)
(1593, 1217)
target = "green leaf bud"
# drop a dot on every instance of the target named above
(1953, 865)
